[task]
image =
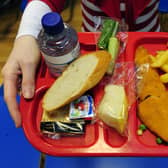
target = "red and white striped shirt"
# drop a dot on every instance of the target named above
(147, 21)
(140, 15)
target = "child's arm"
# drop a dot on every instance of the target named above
(24, 57)
(31, 19)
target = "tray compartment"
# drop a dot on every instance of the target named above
(152, 42)
(89, 138)
(113, 138)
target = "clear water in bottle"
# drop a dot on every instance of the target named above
(58, 43)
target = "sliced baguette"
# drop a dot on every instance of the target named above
(80, 76)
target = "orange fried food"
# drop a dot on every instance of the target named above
(153, 112)
(152, 107)
(150, 84)
(142, 56)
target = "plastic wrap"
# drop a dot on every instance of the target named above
(118, 84)
(117, 97)
(112, 37)
(141, 71)
(99, 20)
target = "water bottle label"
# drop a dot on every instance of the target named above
(56, 65)
(56, 70)
(64, 59)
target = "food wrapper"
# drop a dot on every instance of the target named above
(98, 23)
(112, 37)
(57, 124)
(118, 97)
(69, 120)
(56, 129)
(61, 115)
(82, 108)
(118, 84)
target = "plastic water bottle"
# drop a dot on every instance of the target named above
(58, 43)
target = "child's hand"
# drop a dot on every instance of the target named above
(23, 60)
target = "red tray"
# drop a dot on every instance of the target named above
(98, 140)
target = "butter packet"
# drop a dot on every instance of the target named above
(82, 108)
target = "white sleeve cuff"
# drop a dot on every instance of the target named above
(31, 19)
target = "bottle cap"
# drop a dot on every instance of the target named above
(52, 23)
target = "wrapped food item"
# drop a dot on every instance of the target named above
(108, 41)
(61, 115)
(109, 29)
(69, 120)
(113, 49)
(57, 124)
(113, 108)
(82, 108)
(53, 129)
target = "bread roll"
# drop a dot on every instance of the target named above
(80, 76)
